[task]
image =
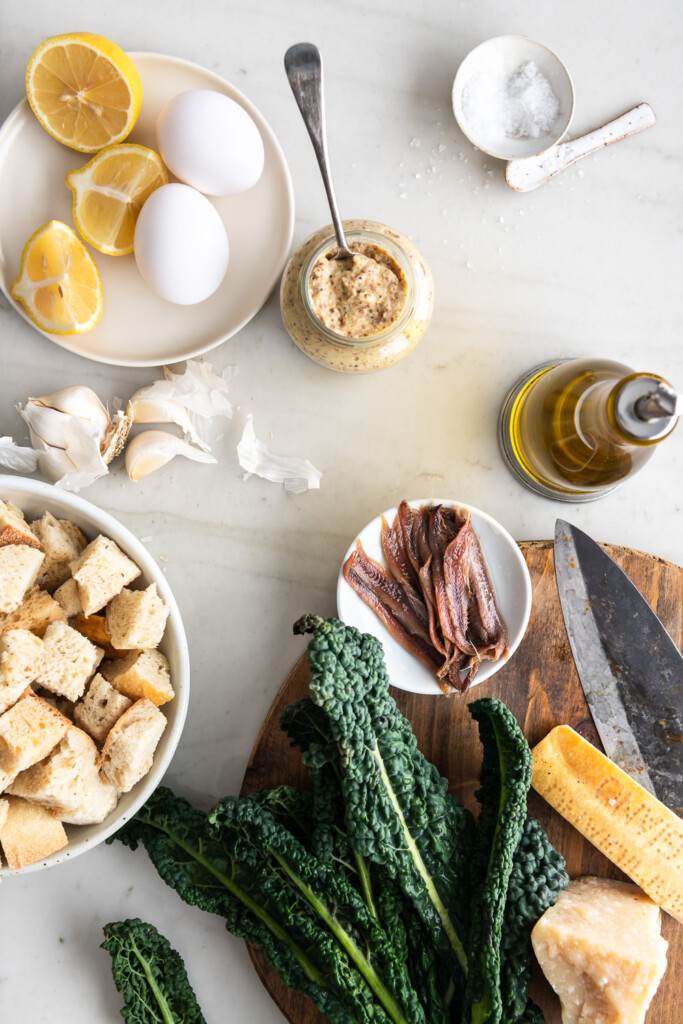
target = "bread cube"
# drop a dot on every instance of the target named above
(28, 832)
(99, 800)
(14, 529)
(36, 613)
(101, 571)
(21, 655)
(69, 661)
(94, 627)
(62, 542)
(62, 778)
(67, 597)
(28, 732)
(100, 708)
(19, 567)
(141, 674)
(136, 619)
(128, 751)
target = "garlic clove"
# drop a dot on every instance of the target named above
(76, 401)
(115, 436)
(147, 408)
(152, 449)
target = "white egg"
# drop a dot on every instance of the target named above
(210, 142)
(180, 245)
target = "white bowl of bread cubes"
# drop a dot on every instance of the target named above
(94, 675)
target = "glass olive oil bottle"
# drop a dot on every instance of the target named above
(573, 430)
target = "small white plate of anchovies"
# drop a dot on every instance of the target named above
(504, 569)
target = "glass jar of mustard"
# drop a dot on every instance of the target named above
(359, 315)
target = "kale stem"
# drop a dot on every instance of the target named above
(346, 942)
(365, 883)
(158, 994)
(441, 910)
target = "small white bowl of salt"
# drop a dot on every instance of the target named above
(513, 97)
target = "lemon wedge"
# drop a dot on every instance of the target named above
(108, 193)
(85, 91)
(58, 282)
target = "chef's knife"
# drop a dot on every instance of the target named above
(630, 668)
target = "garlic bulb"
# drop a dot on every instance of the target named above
(70, 429)
(152, 449)
(115, 436)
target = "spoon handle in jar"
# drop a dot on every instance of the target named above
(528, 173)
(303, 65)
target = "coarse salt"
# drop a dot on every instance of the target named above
(521, 105)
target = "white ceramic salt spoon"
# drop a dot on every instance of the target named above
(529, 172)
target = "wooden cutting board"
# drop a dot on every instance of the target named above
(541, 687)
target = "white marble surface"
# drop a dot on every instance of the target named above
(589, 264)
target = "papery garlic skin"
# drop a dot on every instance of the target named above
(297, 475)
(190, 400)
(153, 449)
(17, 458)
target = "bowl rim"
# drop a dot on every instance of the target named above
(136, 550)
(495, 526)
(459, 83)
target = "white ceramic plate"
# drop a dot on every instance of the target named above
(34, 498)
(508, 53)
(137, 328)
(509, 576)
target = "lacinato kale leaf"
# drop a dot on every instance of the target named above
(302, 885)
(538, 875)
(505, 781)
(207, 874)
(398, 811)
(150, 975)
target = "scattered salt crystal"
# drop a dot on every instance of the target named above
(414, 143)
(468, 264)
(403, 195)
(521, 105)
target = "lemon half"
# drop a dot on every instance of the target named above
(85, 91)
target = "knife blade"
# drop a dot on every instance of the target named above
(630, 669)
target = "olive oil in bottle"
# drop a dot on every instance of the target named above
(573, 430)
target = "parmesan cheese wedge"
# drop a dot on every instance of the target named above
(601, 950)
(626, 823)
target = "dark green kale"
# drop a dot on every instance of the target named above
(398, 811)
(207, 874)
(538, 875)
(302, 885)
(505, 781)
(150, 975)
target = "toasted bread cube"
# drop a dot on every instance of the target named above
(61, 546)
(14, 529)
(4, 807)
(29, 832)
(35, 613)
(141, 674)
(19, 566)
(69, 661)
(94, 627)
(67, 597)
(28, 732)
(136, 619)
(21, 656)
(128, 751)
(101, 572)
(99, 800)
(100, 708)
(62, 778)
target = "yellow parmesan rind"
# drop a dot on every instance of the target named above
(625, 822)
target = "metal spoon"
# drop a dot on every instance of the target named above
(304, 68)
(527, 173)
